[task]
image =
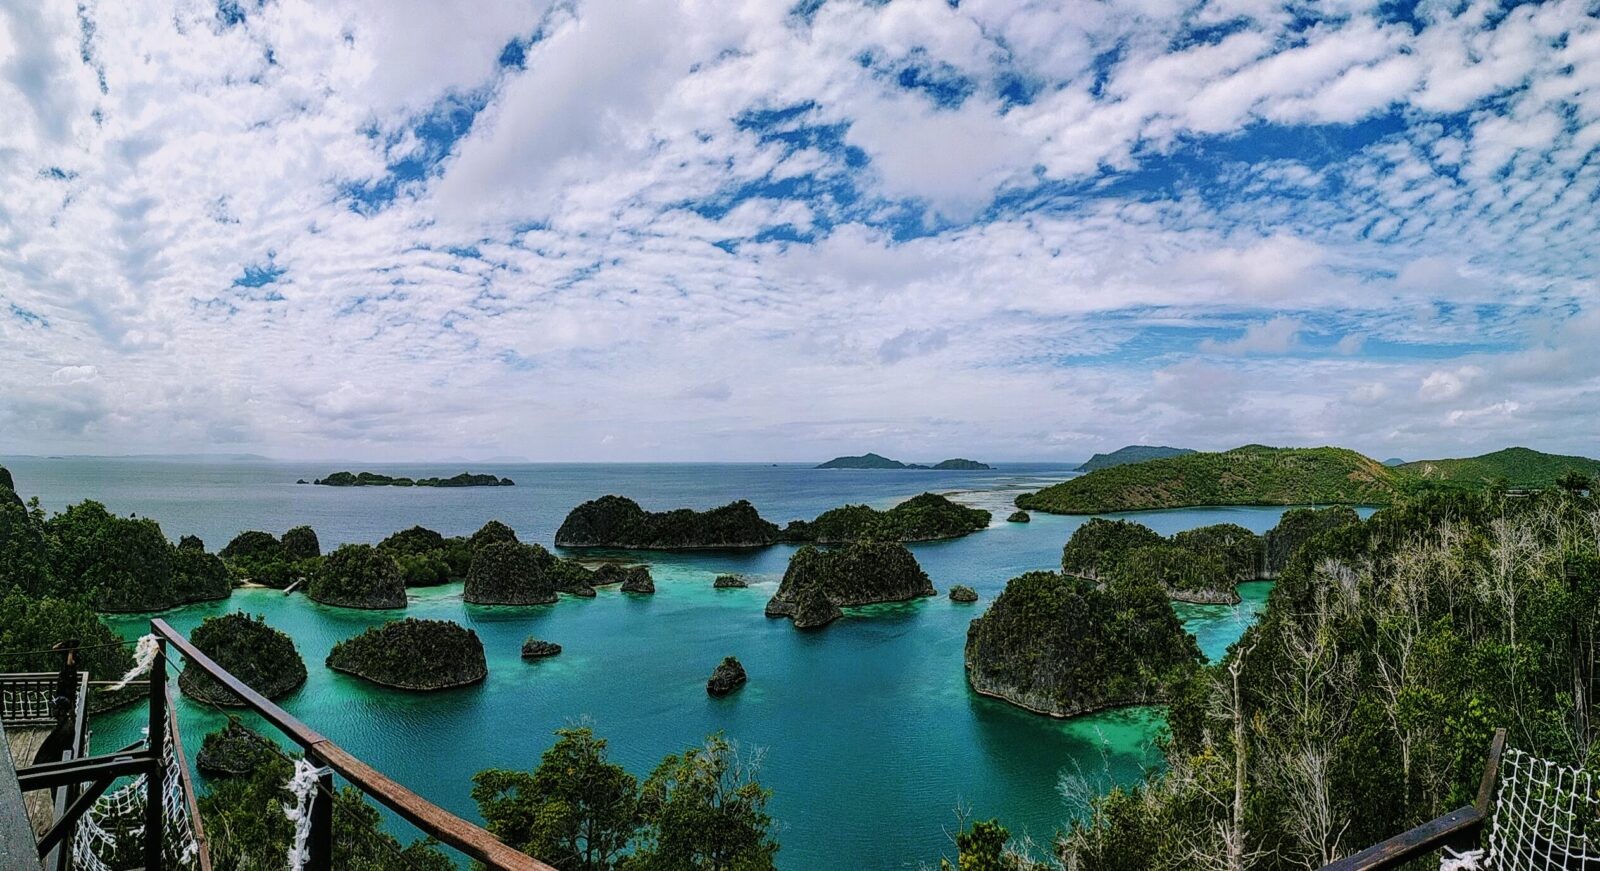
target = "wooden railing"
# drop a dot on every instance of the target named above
(470, 839)
(1460, 829)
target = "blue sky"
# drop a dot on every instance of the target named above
(740, 230)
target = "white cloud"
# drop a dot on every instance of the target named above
(1277, 336)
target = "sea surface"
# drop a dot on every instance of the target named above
(866, 731)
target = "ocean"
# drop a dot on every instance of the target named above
(866, 732)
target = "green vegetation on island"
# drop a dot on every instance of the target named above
(246, 827)
(729, 582)
(1516, 467)
(413, 654)
(1019, 516)
(1132, 454)
(927, 517)
(372, 479)
(263, 658)
(1063, 645)
(262, 558)
(579, 811)
(358, 576)
(876, 461)
(1363, 700)
(1250, 475)
(533, 648)
(619, 522)
(1296, 527)
(509, 573)
(1202, 565)
(818, 583)
(232, 751)
(963, 593)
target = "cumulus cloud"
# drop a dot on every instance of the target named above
(355, 228)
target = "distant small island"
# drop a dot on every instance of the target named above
(413, 654)
(877, 461)
(928, 517)
(373, 479)
(1132, 454)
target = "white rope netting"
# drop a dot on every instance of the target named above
(302, 785)
(1546, 816)
(28, 702)
(112, 831)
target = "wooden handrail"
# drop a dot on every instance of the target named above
(473, 840)
(1459, 829)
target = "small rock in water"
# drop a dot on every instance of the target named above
(1019, 517)
(727, 677)
(533, 648)
(638, 580)
(963, 593)
(730, 582)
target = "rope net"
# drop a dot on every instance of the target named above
(111, 834)
(1546, 816)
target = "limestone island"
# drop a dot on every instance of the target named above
(728, 676)
(1250, 475)
(358, 576)
(1064, 646)
(510, 573)
(1020, 516)
(819, 583)
(373, 479)
(928, 517)
(533, 648)
(412, 654)
(963, 593)
(250, 650)
(262, 558)
(619, 522)
(1132, 454)
(729, 582)
(877, 461)
(232, 751)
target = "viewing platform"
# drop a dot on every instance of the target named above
(59, 811)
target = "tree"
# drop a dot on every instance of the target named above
(705, 811)
(116, 563)
(577, 810)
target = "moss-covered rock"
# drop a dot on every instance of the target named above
(618, 522)
(507, 573)
(1019, 516)
(262, 657)
(1098, 544)
(927, 517)
(358, 576)
(533, 648)
(232, 751)
(413, 654)
(491, 532)
(301, 543)
(638, 580)
(963, 593)
(726, 677)
(729, 582)
(1063, 645)
(862, 573)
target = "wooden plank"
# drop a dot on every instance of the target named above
(19, 845)
(1417, 842)
(1491, 772)
(25, 743)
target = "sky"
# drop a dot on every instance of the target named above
(711, 229)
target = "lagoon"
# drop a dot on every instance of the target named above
(869, 736)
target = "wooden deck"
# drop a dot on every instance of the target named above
(24, 743)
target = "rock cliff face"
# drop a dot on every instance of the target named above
(358, 576)
(413, 654)
(1297, 527)
(728, 676)
(264, 658)
(820, 582)
(638, 580)
(508, 573)
(730, 582)
(1063, 646)
(618, 522)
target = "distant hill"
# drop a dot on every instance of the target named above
(1249, 475)
(1520, 467)
(1394, 461)
(1132, 454)
(876, 461)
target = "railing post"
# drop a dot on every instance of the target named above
(320, 842)
(156, 781)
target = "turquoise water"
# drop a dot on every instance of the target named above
(869, 735)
